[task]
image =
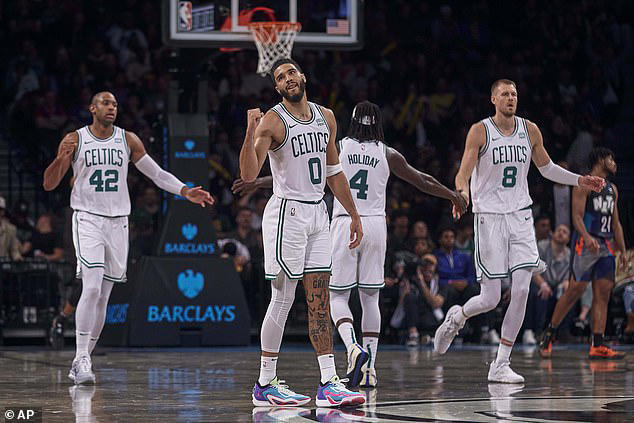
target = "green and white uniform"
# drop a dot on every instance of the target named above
(295, 227)
(503, 223)
(366, 168)
(101, 203)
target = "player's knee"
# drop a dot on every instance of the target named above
(521, 292)
(92, 294)
(489, 300)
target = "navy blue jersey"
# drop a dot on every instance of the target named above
(599, 209)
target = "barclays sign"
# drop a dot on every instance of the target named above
(189, 231)
(189, 145)
(191, 283)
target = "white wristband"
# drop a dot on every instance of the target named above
(164, 180)
(333, 169)
(558, 174)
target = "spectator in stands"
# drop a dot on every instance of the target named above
(548, 286)
(245, 234)
(423, 300)
(44, 243)
(9, 243)
(397, 238)
(543, 228)
(628, 302)
(464, 236)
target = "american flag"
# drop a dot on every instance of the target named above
(337, 27)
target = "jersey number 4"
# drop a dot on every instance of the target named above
(360, 182)
(112, 177)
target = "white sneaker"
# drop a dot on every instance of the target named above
(502, 373)
(357, 358)
(369, 378)
(83, 370)
(491, 337)
(529, 337)
(448, 330)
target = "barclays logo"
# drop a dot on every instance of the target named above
(189, 231)
(191, 283)
(189, 154)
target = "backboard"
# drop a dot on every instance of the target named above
(332, 24)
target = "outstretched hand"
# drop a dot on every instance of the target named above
(242, 187)
(198, 195)
(593, 183)
(460, 203)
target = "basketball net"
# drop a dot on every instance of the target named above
(274, 41)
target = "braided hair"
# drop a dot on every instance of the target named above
(366, 124)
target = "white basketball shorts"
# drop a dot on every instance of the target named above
(362, 266)
(504, 243)
(101, 241)
(296, 238)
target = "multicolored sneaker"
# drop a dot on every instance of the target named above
(603, 352)
(334, 394)
(276, 393)
(357, 357)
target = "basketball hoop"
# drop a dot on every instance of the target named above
(274, 40)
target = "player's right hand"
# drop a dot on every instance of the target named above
(254, 116)
(593, 244)
(460, 203)
(66, 147)
(356, 232)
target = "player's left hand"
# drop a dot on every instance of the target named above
(593, 183)
(244, 188)
(356, 232)
(460, 203)
(198, 195)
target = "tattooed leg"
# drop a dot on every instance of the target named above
(318, 302)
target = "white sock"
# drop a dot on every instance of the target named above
(268, 370)
(371, 343)
(91, 345)
(327, 367)
(504, 353)
(346, 331)
(82, 339)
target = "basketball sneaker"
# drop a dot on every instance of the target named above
(330, 415)
(81, 370)
(357, 357)
(81, 396)
(369, 378)
(276, 393)
(502, 373)
(334, 394)
(603, 352)
(546, 343)
(448, 330)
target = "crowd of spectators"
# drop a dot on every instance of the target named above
(429, 66)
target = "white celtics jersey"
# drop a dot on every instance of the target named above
(499, 181)
(100, 169)
(298, 164)
(366, 168)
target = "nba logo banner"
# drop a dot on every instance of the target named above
(185, 15)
